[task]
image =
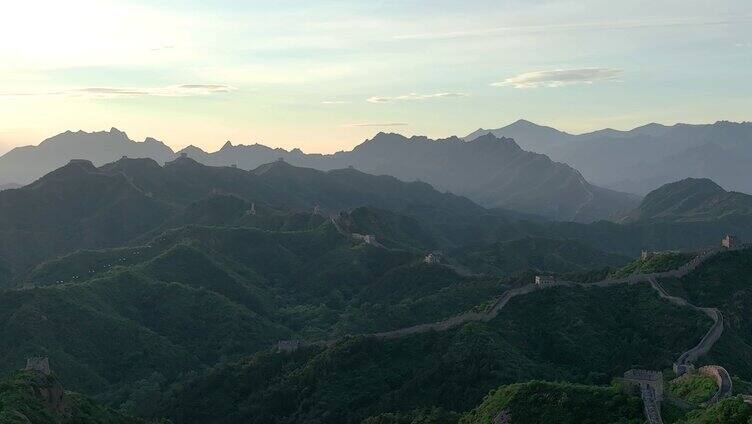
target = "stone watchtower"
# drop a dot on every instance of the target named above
(642, 379)
(729, 241)
(433, 258)
(541, 280)
(38, 364)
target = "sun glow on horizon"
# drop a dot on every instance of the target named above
(324, 76)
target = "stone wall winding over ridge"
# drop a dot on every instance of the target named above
(492, 311)
(651, 399)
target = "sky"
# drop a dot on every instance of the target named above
(325, 75)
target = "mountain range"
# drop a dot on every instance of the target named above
(25, 164)
(646, 157)
(81, 206)
(162, 291)
(494, 172)
(129, 201)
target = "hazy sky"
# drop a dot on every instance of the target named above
(324, 75)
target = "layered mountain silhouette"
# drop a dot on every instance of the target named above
(692, 200)
(494, 172)
(162, 290)
(130, 201)
(646, 157)
(25, 164)
(81, 206)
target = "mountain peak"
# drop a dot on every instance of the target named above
(184, 160)
(524, 122)
(227, 145)
(116, 132)
(191, 150)
(81, 164)
(690, 199)
(525, 125)
(696, 184)
(152, 140)
(276, 167)
(491, 137)
(383, 139)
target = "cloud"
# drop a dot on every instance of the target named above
(181, 90)
(560, 77)
(334, 102)
(412, 96)
(368, 124)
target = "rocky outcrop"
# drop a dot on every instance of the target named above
(722, 380)
(45, 385)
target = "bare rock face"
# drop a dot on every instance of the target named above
(38, 364)
(53, 396)
(46, 387)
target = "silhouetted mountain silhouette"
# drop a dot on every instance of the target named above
(646, 157)
(494, 172)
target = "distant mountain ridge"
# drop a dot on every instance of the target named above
(27, 163)
(494, 172)
(644, 158)
(80, 206)
(691, 200)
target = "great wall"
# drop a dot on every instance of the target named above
(645, 380)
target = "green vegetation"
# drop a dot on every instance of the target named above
(725, 282)
(663, 261)
(551, 334)
(420, 416)
(742, 386)
(126, 323)
(547, 255)
(543, 402)
(132, 200)
(175, 307)
(728, 411)
(30, 397)
(693, 388)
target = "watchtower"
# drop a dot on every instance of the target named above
(645, 379)
(544, 279)
(433, 258)
(729, 241)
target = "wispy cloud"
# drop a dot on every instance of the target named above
(412, 96)
(659, 22)
(181, 90)
(560, 77)
(369, 124)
